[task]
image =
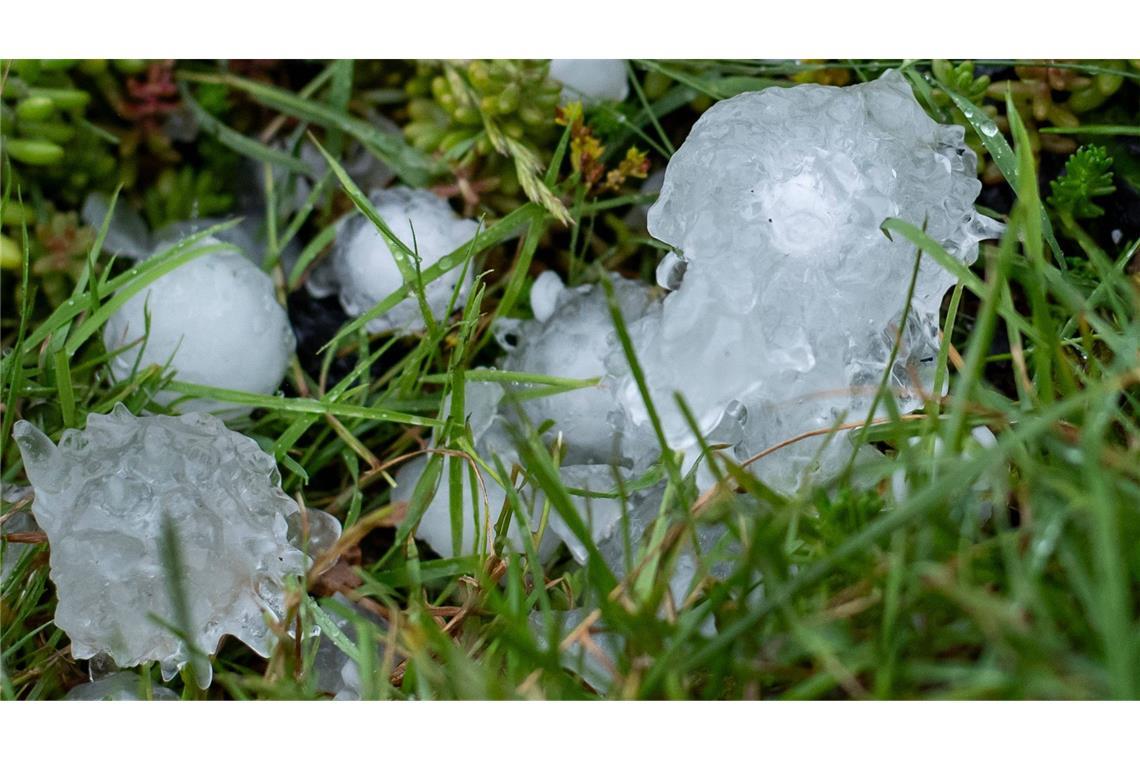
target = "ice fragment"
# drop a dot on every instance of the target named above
(103, 496)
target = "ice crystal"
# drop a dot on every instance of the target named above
(105, 496)
(336, 673)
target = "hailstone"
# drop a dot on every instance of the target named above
(364, 270)
(215, 319)
(591, 79)
(104, 497)
(787, 295)
(572, 338)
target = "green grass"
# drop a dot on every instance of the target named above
(1007, 572)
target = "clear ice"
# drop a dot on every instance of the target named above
(591, 79)
(215, 319)
(118, 687)
(363, 270)
(103, 496)
(786, 293)
(12, 553)
(337, 673)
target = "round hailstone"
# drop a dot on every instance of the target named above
(365, 268)
(787, 294)
(572, 338)
(108, 496)
(216, 321)
(591, 79)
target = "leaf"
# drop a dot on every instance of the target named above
(412, 166)
(247, 146)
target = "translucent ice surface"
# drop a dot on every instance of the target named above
(336, 672)
(217, 322)
(118, 687)
(363, 268)
(11, 552)
(787, 295)
(103, 496)
(591, 79)
(574, 341)
(127, 233)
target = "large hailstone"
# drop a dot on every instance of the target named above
(103, 496)
(591, 79)
(215, 319)
(364, 270)
(788, 294)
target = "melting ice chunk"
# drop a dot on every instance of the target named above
(790, 296)
(104, 495)
(544, 294)
(217, 322)
(364, 270)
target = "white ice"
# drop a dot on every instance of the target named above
(574, 342)
(103, 497)
(363, 270)
(591, 79)
(216, 320)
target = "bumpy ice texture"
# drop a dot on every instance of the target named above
(364, 271)
(103, 497)
(787, 293)
(591, 79)
(217, 322)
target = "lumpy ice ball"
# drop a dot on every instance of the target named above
(104, 495)
(788, 296)
(217, 322)
(365, 270)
